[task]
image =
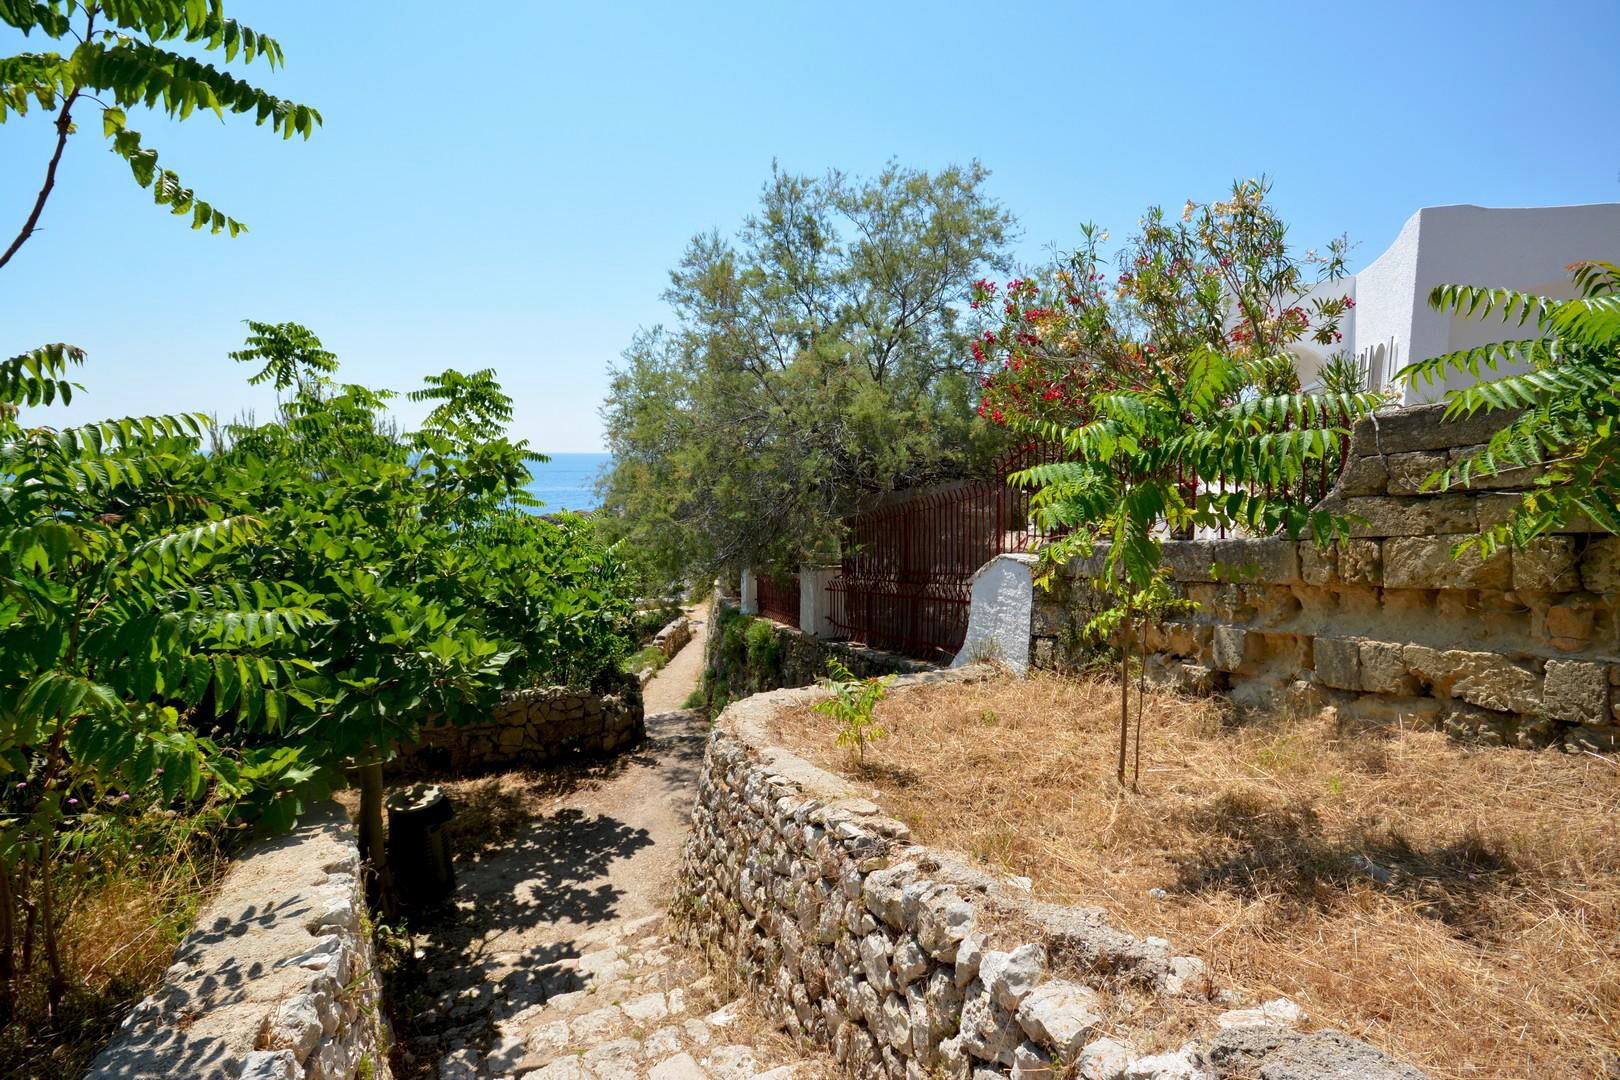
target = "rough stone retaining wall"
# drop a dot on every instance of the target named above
(532, 727)
(673, 637)
(794, 658)
(908, 963)
(1521, 648)
(275, 982)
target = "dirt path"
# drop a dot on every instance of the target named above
(671, 687)
(554, 964)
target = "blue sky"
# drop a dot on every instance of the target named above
(510, 188)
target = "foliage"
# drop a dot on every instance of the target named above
(1564, 374)
(816, 361)
(121, 59)
(1219, 279)
(123, 618)
(1199, 424)
(852, 703)
(239, 625)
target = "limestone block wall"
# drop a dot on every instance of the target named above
(275, 981)
(532, 727)
(907, 962)
(1522, 647)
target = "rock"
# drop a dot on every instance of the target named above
(969, 955)
(1414, 515)
(295, 1025)
(1547, 564)
(1061, 1014)
(1328, 1055)
(1275, 1011)
(678, 1067)
(1104, 1059)
(734, 1062)
(1427, 562)
(1179, 1065)
(989, 1032)
(1229, 647)
(1569, 626)
(893, 1022)
(1576, 692)
(1187, 974)
(1030, 1062)
(909, 962)
(1338, 662)
(567, 1068)
(1010, 976)
(1409, 472)
(646, 1009)
(271, 1065)
(942, 924)
(612, 1060)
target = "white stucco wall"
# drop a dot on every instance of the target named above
(1519, 248)
(1003, 598)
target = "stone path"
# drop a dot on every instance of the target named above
(555, 965)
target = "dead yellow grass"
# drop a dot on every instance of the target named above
(1458, 907)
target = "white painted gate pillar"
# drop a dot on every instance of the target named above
(749, 593)
(1003, 601)
(815, 603)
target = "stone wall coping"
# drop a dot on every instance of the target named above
(874, 947)
(275, 978)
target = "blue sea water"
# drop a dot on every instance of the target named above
(567, 482)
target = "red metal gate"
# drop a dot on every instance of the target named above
(779, 597)
(907, 572)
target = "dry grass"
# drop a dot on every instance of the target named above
(127, 902)
(1458, 907)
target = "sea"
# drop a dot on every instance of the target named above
(567, 482)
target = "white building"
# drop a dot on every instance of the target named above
(1392, 323)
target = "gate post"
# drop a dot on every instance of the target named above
(815, 603)
(749, 593)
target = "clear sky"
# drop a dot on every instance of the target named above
(508, 185)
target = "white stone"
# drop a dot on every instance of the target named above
(1104, 1059)
(1275, 1011)
(271, 1065)
(969, 955)
(1011, 975)
(909, 962)
(734, 1062)
(678, 1067)
(296, 1026)
(1061, 1014)
(725, 1015)
(1179, 1065)
(646, 1009)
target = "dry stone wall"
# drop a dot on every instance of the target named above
(908, 962)
(1521, 647)
(532, 727)
(784, 656)
(275, 982)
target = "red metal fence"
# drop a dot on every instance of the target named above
(907, 571)
(779, 597)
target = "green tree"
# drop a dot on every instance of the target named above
(122, 623)
(438, 590)
(1568, 409)
(817, 361)
(121, 59)
(1192, 450)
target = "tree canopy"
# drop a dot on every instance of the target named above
(817, 359)
(123, 58)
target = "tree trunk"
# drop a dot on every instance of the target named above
(371, 841)
(1141, 700)
(8, 948)
(1124, 694)
(57, 988)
